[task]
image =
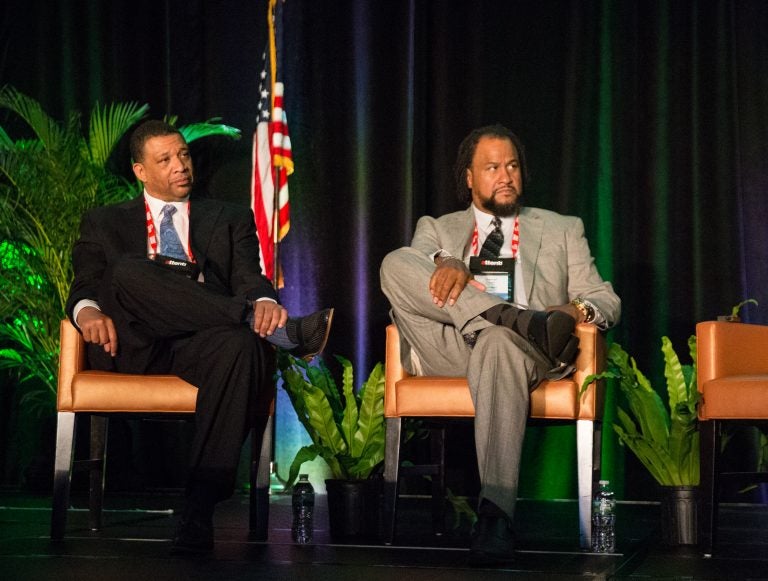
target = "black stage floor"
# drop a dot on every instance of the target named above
(134, 545)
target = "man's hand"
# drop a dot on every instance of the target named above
(571, 310)
(449, 279)
(98, 328)
(267, 316)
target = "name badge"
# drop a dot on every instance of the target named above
(496, 274)
(184, 267)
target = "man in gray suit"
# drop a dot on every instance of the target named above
(506, 326)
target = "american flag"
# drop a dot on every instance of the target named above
(272, 158)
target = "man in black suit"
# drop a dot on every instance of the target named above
(165, 284)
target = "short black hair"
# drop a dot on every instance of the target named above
(467, 152)
(145, 132)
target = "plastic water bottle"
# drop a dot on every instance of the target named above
(303, 507)
(604, 519)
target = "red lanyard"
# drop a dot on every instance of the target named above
(515, 244)
(152, 232)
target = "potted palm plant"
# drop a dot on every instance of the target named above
(665, 438)
(347, 431)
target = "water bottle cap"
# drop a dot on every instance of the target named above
(603, 482)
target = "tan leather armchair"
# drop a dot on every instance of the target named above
(101, 394)
(732, 378)
(448, 397)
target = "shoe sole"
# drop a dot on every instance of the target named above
(308, 357)
(559, 324)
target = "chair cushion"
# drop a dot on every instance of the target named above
(559, 400)
(434, 397)
(103, 391)
(735, 397)
(450, 397)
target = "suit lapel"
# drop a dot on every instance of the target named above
(531, 228)
(464, 224)
(202, 220)
(132, 227)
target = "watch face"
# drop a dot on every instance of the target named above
(587, 311)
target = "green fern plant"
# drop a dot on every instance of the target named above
(346, 427)
(47, 182)
(736, 310)
(665, 438)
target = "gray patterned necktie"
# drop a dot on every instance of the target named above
(492, 245)
(170, 245)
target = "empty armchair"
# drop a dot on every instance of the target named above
(733, 381)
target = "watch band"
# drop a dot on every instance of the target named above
(587, 310)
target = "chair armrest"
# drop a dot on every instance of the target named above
(590, 361)
(393, 366)
(725, 349)
(71, 361)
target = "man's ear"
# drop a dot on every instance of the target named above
(469, 178)
(138, 171)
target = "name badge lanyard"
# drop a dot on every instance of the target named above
(152, 233)
(515, 244)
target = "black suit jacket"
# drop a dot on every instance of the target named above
(223, 241)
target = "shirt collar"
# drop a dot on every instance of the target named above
(156, 204)
(483, 221)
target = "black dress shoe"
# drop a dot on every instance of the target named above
(310, 333)
(493, 541)
(193, 537)
(551, 334)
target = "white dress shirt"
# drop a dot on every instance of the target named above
(483, 222)
(180, 220)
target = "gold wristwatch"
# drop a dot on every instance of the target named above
(587, 310)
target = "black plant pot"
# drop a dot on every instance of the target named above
(679, 515)
(354, 508)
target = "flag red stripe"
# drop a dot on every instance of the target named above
(263, 197)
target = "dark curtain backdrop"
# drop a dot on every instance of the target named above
(646, 118)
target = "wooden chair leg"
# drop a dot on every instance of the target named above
(709, 433)
(261, 458)
(588, 453)
(391, 478)
(62, 473)
(98, 467)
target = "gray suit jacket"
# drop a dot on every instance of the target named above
(554, 255)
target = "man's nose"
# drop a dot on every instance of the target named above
(178, 164)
